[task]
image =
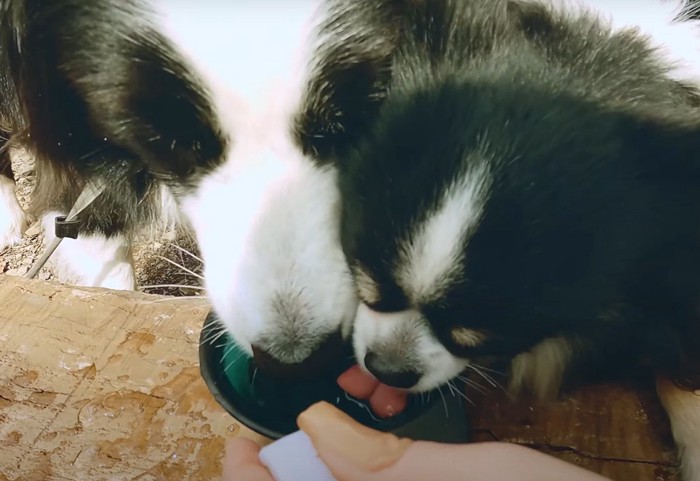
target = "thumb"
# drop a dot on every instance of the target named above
(241, 462)
(352, 451)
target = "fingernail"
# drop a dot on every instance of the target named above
(332, 430)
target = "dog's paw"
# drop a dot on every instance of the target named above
(13, 221)
(92, 260)
(683, 409)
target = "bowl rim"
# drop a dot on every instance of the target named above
(218, 384)
(223, 392)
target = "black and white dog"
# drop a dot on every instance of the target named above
(530, 191)
(222, 116)
(494, 178)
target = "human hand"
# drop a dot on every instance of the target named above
(241, 462)
(354, 452)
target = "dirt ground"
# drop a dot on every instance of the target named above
(172, 264)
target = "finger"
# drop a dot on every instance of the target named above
(336, 436)
(241, 462)
(491, 461)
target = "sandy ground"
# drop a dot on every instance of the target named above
(155, 260)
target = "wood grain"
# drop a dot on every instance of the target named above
(617, 430)
(104, 385)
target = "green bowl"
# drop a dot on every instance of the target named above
(270, 406)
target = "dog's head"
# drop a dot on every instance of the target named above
(267, 216)
(503, 204)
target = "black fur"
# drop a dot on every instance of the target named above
(349, 76)
(590, 225)
(92, 90)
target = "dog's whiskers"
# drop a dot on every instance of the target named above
(213, 334)
(488, 369)
(181, 286)
(175, 298)
(214, 331)
(187, 252)
(230, 364)
(213, 327)
(444, 402)
(458, 392)
(180, 266)
(473, 384)
(227, 351)
(214, 337)
(479, 370)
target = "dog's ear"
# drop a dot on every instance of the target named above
(119, 89)
(341, 101)
(366, 47)
(350, 74)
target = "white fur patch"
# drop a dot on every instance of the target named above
(249, 52)
(373, 329)
(431, 257)
(12, 219)
(277, 238)
(92, 260)
(540, 370)
(683, 409)
(266, 220)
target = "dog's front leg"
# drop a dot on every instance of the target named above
(683, 408)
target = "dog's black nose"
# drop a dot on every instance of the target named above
(325, 356)
(388, 376)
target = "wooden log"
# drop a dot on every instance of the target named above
(104, 385)
(617, 430)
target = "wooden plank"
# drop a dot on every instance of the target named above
(104, 385)
(617, 430)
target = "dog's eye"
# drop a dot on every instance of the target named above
(380, 298)
(372, 306)
(387, 305)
